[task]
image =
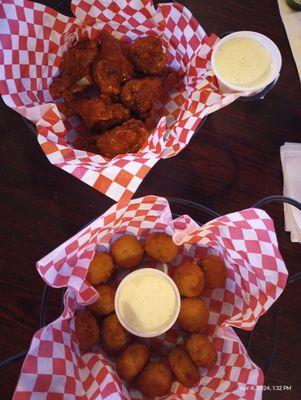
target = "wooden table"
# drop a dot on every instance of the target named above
(232, 162)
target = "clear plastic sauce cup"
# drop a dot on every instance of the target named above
(245, 61)
(147, 302)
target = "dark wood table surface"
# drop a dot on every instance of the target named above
(230, 164)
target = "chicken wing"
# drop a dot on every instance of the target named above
(98, 115)
(126, 138)
(59, 88)
(147, 55)
(140, 95)
(78, 60)
(75, 65)
(172, 79)
(111, 68)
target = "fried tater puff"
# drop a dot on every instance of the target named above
(100, 269)
(183, 367)
(194, 315)
(215, 272)
(189, 279)
(160, 247)
(201, 350)
(154, 380)
(127, 251)
(105, 303)
(113, 335)
(87, 330)
(132, 360)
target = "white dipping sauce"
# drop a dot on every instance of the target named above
(244, 62)
(147, 302)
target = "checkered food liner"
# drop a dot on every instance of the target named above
(33, 39)
(56, 368)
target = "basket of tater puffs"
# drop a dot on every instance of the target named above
(111, 91)
(150, 306)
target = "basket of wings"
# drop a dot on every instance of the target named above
(56, 367)
(34, 40)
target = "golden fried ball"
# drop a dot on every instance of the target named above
(113, 335)
(86, 329)
(183, 367)
(105, 303)
(215, 272)
(132, 360)
(127, 252)
(201, 350)
(160, 247)
(100, 269)
(194, 315)
(154, 380)
(189, 279)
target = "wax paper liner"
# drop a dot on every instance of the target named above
(55, 368)
(34, 37)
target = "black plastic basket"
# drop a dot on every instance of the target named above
(178, 203)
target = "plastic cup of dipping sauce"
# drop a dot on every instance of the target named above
(147, 302)
(245, 61)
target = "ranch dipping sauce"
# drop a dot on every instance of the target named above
(147, 302)
(245, 61)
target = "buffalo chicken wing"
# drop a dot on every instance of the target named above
(111, 68)
(126, 138)
(141, 95)
(98, 115)
(75, 66)
(147, 55)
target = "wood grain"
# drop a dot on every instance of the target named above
(231, 163)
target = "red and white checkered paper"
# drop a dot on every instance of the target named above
(33, 39)
(55, 368)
